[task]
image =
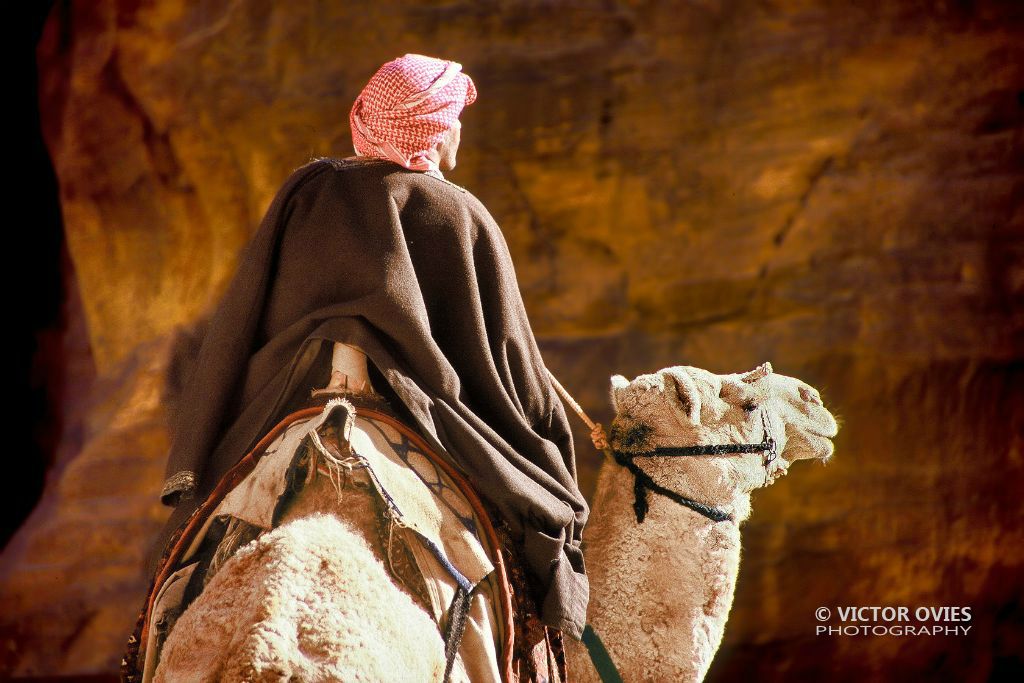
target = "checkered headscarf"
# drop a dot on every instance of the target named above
(407, 107)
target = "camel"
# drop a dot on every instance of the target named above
(661, 589)
(287, 606)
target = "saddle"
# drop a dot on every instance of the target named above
(530, 651)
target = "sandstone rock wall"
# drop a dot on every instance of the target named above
(835, 187)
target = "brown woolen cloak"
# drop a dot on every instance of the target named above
(414, 271)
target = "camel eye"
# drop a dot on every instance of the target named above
(749, 406)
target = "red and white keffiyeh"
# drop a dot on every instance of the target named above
(407, 107)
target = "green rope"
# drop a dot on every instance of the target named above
(600, 657)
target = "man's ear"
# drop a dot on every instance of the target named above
(619, 384)
(682, 392)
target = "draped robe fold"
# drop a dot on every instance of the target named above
(413, 270)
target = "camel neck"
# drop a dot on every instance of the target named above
(665, 585)
(716, 482)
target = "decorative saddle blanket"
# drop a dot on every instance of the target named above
(448, 554)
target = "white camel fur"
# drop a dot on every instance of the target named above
(313, 600)
(661, 590)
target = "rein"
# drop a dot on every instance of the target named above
(642, 482)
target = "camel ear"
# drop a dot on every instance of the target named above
(681, 387)
(760, 372)
(619, 383)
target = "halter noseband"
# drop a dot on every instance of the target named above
(642, 482)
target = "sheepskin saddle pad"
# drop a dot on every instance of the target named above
(248, 588)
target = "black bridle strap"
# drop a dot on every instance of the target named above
(709, 449)
(767, 446)
(642, 482)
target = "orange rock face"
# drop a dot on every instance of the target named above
(834, 188)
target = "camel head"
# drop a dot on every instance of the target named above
(687, 406)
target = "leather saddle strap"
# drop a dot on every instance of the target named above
(469, 492)
(182, 539)
(455, 628)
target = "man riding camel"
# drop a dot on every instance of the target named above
(378, 258)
